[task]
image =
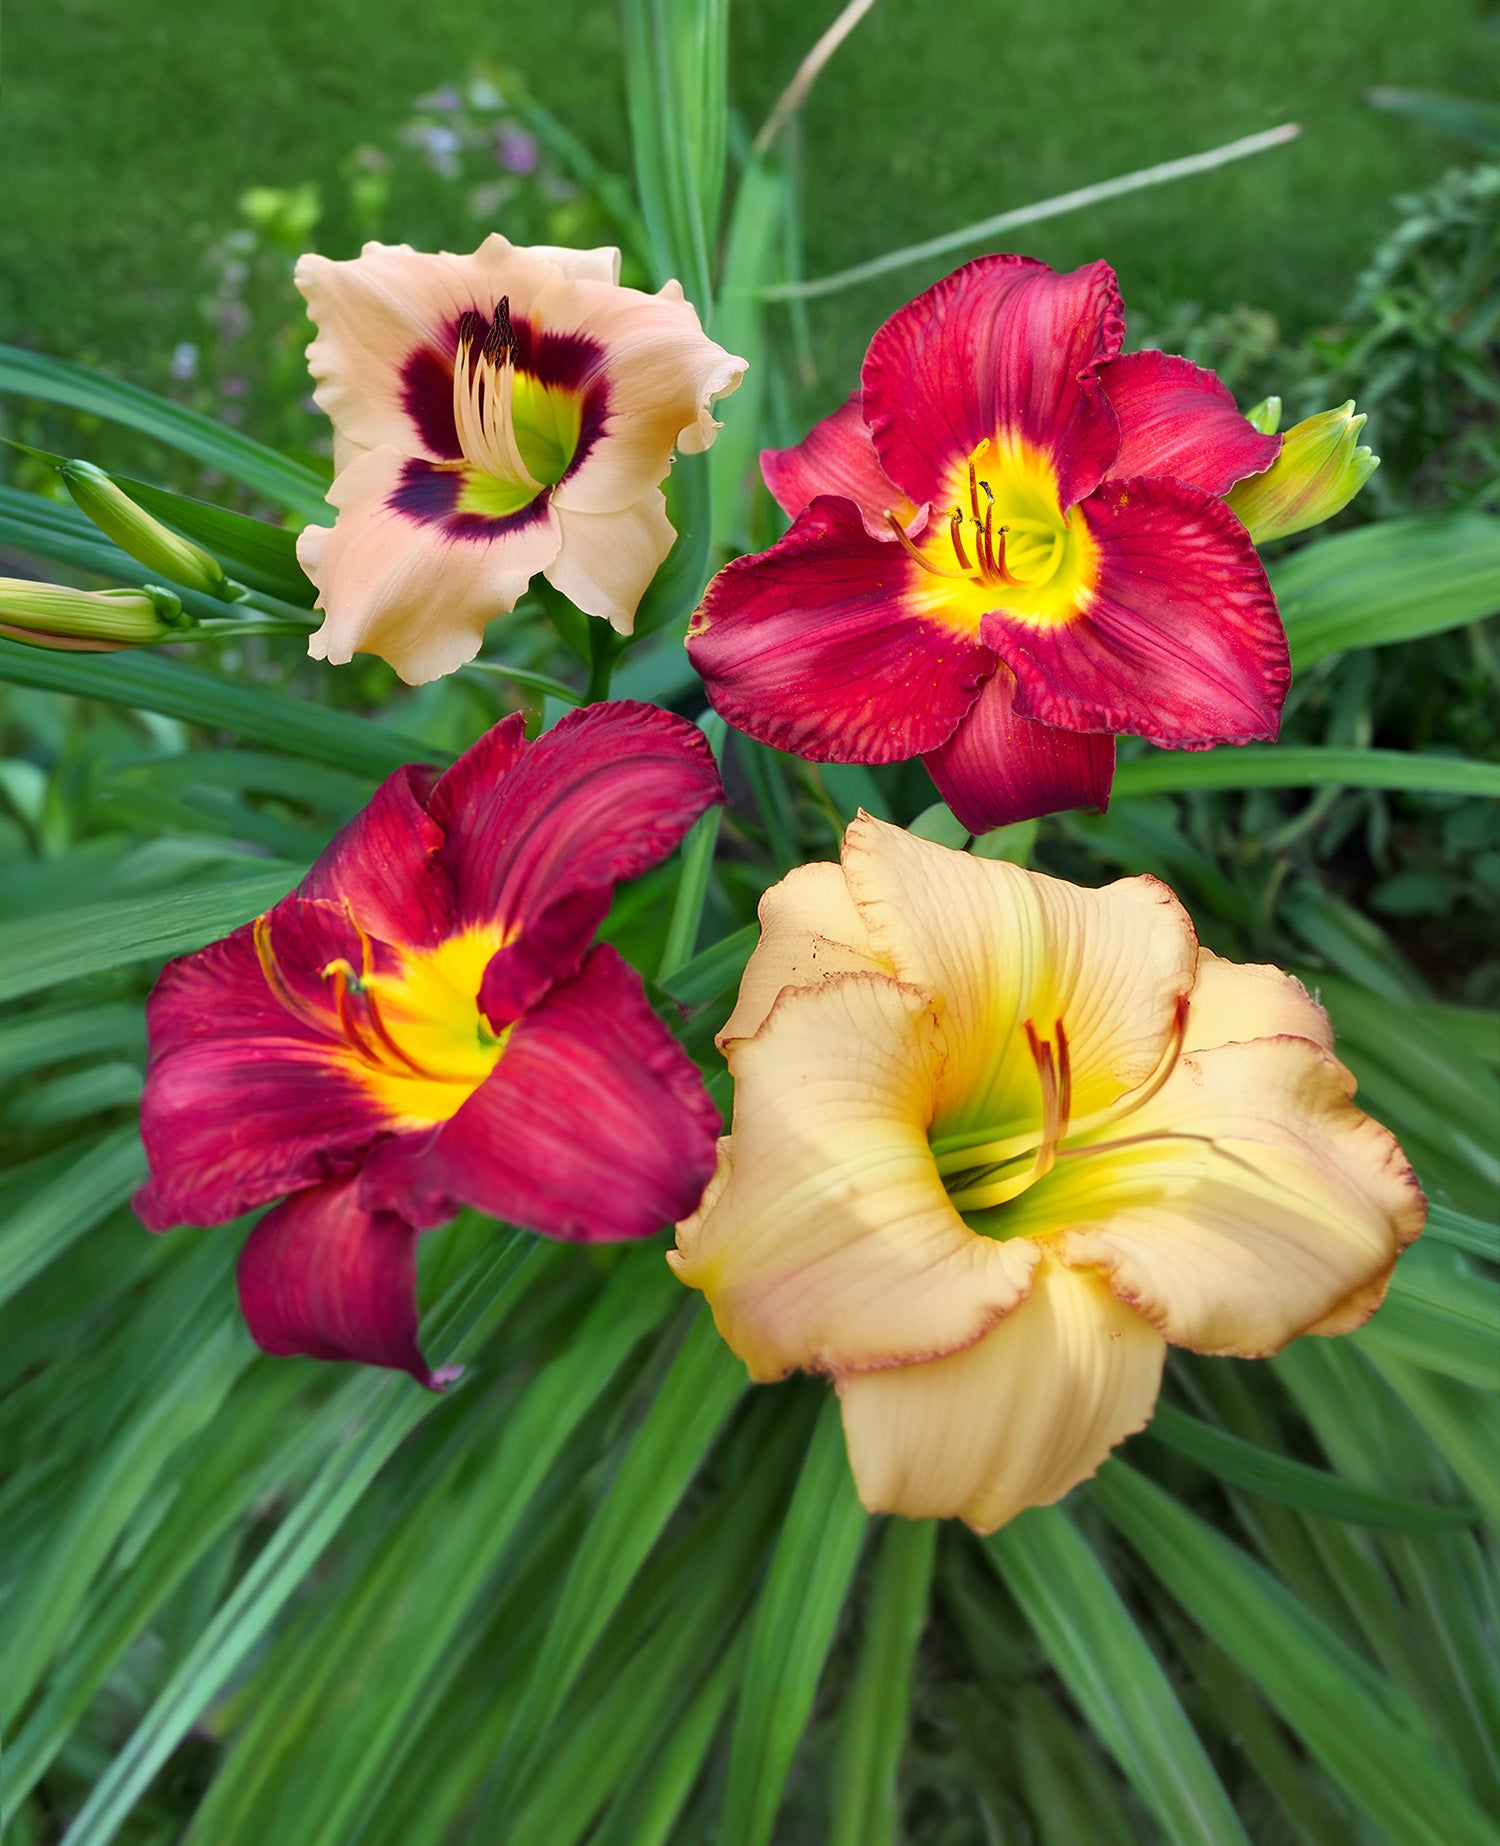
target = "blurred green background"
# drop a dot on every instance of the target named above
(129, 134)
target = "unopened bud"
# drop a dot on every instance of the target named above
(1266, 416)
(1318, 472)
(52, 615)
(143, 537)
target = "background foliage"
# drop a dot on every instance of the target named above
(602, 1590)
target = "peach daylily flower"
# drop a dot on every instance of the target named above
(494, 416)
(997, 1142)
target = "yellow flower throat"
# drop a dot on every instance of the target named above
(1006, 543)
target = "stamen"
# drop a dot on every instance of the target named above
(483, 383)
(974, 478)
(927, 564)
(956, 528)
(269, 966)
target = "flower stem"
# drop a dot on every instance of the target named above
(603, 652)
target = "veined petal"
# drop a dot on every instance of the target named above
(998, 767)
(817, 647)
(1233, 1002)
(1245, 1203)
(1000, 946)
(243, 1101)
(607, 560)
(1177, 418)
(1003, 350)
(810, 932)
(405, 575)
(1016, 1419)
(836, 456)
(382, 864)
(322, 1277)
(1179, 640)
(387, 328)
(593, 1126)
(660, 374)
(528, 829)
(830, 1243)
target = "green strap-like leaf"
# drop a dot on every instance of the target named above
(689, 1409)
(1366, 1736)
(1294, 1483)
(1096, 1647)
(1303, 766)
(40, 952)
(1393, 581)
(155, 682)
(866, 1806)
(793, 1629)
(57, 381)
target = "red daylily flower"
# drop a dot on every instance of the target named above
(1007, 546)
(423, 1024)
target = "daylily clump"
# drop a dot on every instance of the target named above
(495, 416)
(997, 1142)
(1009, 545)
(423, 1024)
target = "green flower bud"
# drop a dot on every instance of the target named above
(146, 539)
(1266, 416)
(1317, 474)
(53, 615)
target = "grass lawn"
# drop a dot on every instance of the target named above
(129, 132)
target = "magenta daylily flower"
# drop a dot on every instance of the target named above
(1008, 546)
(423, 1024)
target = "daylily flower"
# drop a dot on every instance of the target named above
(997, 1142)
(494, 416)
(1007, 546)
(423, 1024)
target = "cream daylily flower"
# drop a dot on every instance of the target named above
(494, 416)
(997, 1141)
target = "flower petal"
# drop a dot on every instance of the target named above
(815, 646)
(810, 932)
(387, 325)
(836, 456)
(1005, 351)
(1179, 641)
(416, 586)
(660, 374)
(1236, 1001)
(1001, 946)
(1178, 419)
(998, 767)
(830, 1244)
(1016, 1419)
(607, 560)
(322, 1277)
(243, 1101)
(594, 1124)
(1247, 1201)
(528, 828)
(382, 864)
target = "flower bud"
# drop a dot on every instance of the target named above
(53, 615)
(146, 539)
(1317, 474)
(1266, 416)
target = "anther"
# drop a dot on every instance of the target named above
(921, 557)
(500, 341)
